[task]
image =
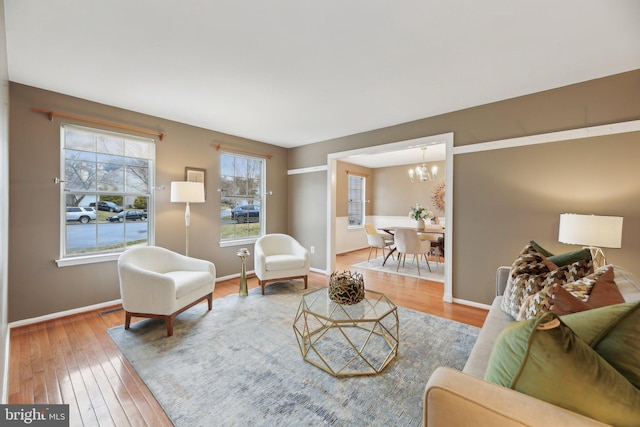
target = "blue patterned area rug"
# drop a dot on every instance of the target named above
(240, 365)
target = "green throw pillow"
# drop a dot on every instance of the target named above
(562, 259)
(613, 332)
(544, 358)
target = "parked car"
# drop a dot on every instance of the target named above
(107, 206)
(83, 215)
(246, 213)
(129, 215)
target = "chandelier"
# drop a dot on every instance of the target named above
(421, 172)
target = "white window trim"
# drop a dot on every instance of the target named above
(225, 243)
(63, 261)
(362, 203)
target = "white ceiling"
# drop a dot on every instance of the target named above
(294, 72)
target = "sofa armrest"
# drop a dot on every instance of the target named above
(453, 398)
(502, 276)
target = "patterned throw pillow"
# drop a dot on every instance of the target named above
(522, 279)
(572, 281)
(530, 275)
(604, 292)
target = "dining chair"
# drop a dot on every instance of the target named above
(377, 240)
(408, 242)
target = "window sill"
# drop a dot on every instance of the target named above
(88, 259)
(237, 242)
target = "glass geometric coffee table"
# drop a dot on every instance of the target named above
(344, 340)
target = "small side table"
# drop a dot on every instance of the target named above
(243, 254)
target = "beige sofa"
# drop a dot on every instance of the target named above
(454, 398)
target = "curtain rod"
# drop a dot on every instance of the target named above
(51, 114)
(357, 173)
(240, 150)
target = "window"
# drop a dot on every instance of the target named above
(241, 197)
(355, 204)
(105, 191)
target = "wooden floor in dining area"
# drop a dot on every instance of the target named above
(72, 360)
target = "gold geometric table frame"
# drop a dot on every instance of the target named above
(347, 340)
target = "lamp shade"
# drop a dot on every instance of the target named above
(185, 191)
(591, 230)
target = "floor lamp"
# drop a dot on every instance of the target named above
(594, 231)
(187, 192)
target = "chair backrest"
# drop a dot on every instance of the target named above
(152, 258)
(273, 244)
(370, 229)
(407, 241)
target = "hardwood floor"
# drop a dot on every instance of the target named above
(72, 360)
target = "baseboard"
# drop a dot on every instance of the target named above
(66, 313)
(471, 303)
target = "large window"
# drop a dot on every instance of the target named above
(355, 204)
(242, 197)
(106, 195)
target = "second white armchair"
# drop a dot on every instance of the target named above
(280, 257)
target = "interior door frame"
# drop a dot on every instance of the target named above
(332, 158)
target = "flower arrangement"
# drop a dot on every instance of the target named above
(419, 212)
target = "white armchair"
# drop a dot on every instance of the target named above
(158, 283)
(280, 257)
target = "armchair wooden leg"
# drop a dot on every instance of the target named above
(305, 282)
(127, 320)
(262, 286)
(210, 300)
(169, 321)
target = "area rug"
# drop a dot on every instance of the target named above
(410, 268)
(240, 365)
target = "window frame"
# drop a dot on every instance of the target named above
(239, 241)
(64, 259)
(361, 202)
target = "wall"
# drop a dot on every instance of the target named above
(4, 208)
(36, 285)
(394, 193)
(610, 99)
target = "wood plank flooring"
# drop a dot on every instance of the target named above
(72, 360)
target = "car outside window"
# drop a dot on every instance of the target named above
(104, 174)
(241, 197)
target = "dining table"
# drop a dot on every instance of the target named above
(429, 229)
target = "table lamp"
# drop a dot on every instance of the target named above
(593, 231)
(187, 192)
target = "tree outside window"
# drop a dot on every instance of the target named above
(355, 204)
(241, 196)
(105, 190)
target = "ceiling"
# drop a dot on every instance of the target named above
(293, 72)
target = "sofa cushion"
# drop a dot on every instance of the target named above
(612, 332)
(529, 275)
(544, 358)
(566, 286)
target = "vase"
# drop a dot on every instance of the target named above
(420, 225)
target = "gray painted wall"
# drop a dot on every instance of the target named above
(36, 285)
(477, 253)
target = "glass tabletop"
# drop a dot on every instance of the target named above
(373, 307)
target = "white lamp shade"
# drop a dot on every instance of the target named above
(591, 230)
(184, 191)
